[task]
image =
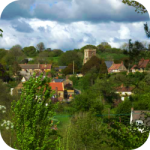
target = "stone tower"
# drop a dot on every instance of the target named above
(88, 53)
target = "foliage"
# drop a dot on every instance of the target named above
(87, 47)
(32, 117)
(40, 47)
(3, 52)
(1, 35)
(56, 52)
(139, 7)
(70, 56)
(14, 54)
(3, 74)
(29, 51)
(124, 108)
(93, 62)
(69, 69)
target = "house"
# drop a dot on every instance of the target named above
(58, 87)
(108, 64)
(25, 78)
(124, 91)
(88, 53)
(30, 68)
(67, 81)
(139, 117)
(115, 68)
(141, 67)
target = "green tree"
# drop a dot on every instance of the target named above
(94, 62)
(14, 54)
(88, 47)
(40, 47)
(29, 51)
(1, 35)
(69, 69)
(139, 7)
(32, 117)
(3, 52)
(57, 52)
(70, 56)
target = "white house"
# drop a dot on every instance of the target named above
(124, 91)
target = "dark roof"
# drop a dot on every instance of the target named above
(62, 67)
(108, 64)
(58, 80)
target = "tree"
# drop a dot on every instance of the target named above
(14, 54)
(3, 74)
(15, 68)
(1, 35)
(3, 52)
(40, 47)
(57, 52)
(138, 45)
(70, 56)
(147, 30)
(48, 49)
(103, 46)
(33, 118)
(93, 62)
(69, 69)
(30, 51)
(139, 7)
(88, 47)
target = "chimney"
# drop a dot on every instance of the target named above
(121, 62)
(38, 65)
(132, 109)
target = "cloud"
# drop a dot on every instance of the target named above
(21, 26)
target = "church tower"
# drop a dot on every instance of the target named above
(88, 53)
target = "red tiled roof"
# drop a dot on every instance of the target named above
(58, 85)
(114, 67)
(123, 88)
(142, 63)
(45, 66)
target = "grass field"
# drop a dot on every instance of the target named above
(109, 56)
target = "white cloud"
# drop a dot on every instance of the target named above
(124, 32)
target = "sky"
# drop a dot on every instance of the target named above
(70, 24)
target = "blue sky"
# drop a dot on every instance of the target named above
(70, 24)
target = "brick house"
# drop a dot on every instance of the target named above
(141, 67)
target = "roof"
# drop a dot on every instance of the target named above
(109, 64)
(58, 80)
(35, 66)
(124, 89)
(139, 115)
(58, 85)
(114, 67)
(45, 66)
(142, 63)
(29, 66)
(62, 67)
